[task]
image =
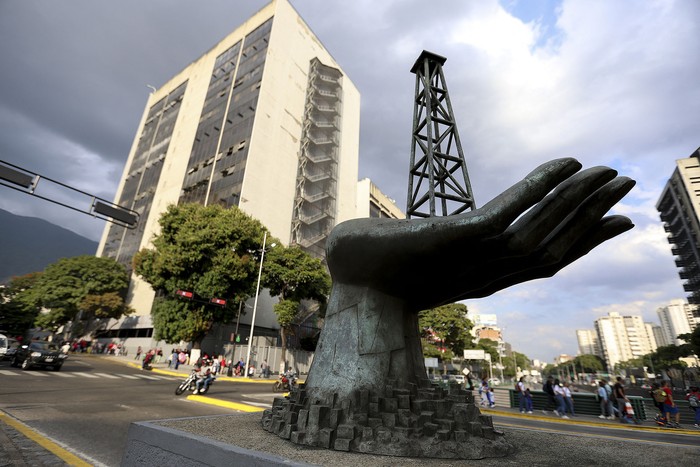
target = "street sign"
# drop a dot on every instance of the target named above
(473, 354)
(431, 362)
(218, 301)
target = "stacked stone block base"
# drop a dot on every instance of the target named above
(415, 422)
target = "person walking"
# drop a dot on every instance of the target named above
(670, 407)
(693, 398)
(602, 399)
(611, 409)
(620, 397)
(520, 390)
(548, 389)
(559, 396)
(568, 399)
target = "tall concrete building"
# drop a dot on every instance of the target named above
(371, 202)
(676, 318)
(588, 342)
(622, 338)
(678, 207)
(265, 120)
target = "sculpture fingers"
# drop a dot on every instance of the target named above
(585, 216)
(535, 225)
(500, 212)
(606, 229)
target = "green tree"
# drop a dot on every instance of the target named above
(18, 308)
(589, 363)
(73, 285)
(294, 276)
(693, 340)
(667, 357)
(205, 250)
(445, 331)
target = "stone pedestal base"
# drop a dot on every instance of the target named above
(426, 422)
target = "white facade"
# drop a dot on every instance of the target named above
(371, 202)
(264, 72)
(622, 338)
(588, 342)
(676, 318)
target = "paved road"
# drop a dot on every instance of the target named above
(87, 407)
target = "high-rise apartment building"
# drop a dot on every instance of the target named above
(622, 338)
(676, 318)
(678, 207)
(265, 120)
(588, 342)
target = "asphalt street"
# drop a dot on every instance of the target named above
(27, 421)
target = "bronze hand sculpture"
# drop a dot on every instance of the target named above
(386, 270)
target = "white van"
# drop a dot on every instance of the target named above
(8, 347)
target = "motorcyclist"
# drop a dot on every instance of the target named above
(205, 376)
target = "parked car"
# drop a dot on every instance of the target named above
(8, 347)
(39, 353)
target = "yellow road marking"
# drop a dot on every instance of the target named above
(66, 456)
(226, 404)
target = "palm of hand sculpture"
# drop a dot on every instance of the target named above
(440, 260)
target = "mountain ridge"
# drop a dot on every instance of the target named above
(29, 244)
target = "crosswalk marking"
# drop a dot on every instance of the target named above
(107, 375)
(73, 374)
(146, 377)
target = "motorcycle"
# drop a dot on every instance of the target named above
(287, 382)
(190, 384)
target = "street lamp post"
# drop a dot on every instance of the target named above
(255, 305)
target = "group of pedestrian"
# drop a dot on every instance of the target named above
(559, 397)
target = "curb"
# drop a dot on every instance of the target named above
(591, 423)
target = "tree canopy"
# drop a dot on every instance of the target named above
(445, 331)
(88, 284)
(205, 250)
(293, 275)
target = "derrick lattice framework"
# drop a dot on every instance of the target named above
(438, 181)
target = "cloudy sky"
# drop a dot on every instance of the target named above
(610, 83)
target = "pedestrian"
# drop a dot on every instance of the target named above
(568, 399)
(611, 409)
(264, 369)
(602, 397)
(620, 397)
(528, 400)
(520, 390)
(216, 366)
(548, 389)
(138, 353)
(670, 407)
(559, 397)
(693, 398)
